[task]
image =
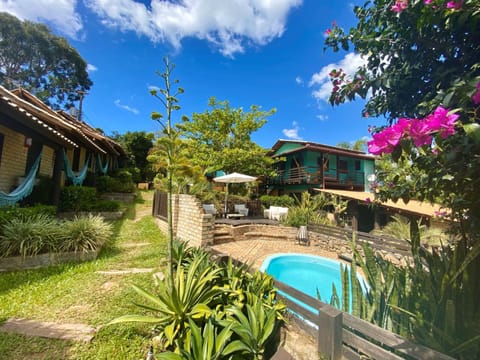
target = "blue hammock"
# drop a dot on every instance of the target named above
(102, 168)
(24, 189)
(75, 179)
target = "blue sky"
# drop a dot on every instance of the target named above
(249, 52)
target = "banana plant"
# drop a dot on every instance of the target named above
(188, 297)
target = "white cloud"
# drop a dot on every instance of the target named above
(229, 25)
(91, 68)
(321, 81)
(293, 132)
(299, 80)
(126, 107)
(322, 117)
(60, 14)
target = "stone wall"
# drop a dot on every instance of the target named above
(190, 223)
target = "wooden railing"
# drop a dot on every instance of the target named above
(340, 335)
(313, 175)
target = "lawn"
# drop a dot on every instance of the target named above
(77, 293)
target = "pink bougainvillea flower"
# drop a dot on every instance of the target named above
(368, 201)
(328, 32)
(441, 120)
(399, 6)
(455, 5)
(476, 96)
(420, 132)
(384, 142)
(428, 2)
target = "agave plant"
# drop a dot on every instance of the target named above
(255, 329)
(209, 344)
(188, 296)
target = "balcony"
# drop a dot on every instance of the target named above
(309, 175)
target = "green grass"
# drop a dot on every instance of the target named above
(76, 293)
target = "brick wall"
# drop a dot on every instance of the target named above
(14, 158)
(190, 223)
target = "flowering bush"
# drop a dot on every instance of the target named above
(420, 131)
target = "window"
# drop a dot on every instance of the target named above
(358, 165)
(342, 165)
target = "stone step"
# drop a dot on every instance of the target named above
(222, 239)
(75, 332)
(262, 235)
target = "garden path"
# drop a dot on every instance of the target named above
(77, 332)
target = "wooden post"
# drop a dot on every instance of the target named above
(57, 176)
(330, 333)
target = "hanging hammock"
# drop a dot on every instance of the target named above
(102, 168)
(75, 179)
(24, 189)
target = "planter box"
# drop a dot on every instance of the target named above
(44, 260)
(125, 197)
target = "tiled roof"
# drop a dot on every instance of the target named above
(70, 130)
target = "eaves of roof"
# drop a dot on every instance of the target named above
(326, 149)
(37, 118)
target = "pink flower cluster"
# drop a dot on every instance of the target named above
(399, 6)
(476, 96)
(455, 5)
(420, 131)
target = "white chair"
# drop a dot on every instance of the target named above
(210, 209)
(241, 209)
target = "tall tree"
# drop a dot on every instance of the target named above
(137, 145)
(32, 57)
(220, 139)
(169, 141)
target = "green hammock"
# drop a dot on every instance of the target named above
(75, 179)
(103, 169)
(24, 189)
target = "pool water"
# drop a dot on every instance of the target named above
(306, 273)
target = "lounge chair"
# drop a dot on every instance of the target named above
(302, 235)
(210, 209)
(241, 209)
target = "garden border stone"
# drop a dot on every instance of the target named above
(44, 260)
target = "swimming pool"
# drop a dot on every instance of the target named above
(306, 273)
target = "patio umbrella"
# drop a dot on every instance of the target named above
(233, 178)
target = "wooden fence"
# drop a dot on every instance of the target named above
(160, 203)
(377, 242)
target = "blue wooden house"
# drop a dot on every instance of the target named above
(304, 165)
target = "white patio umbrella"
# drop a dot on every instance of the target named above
(233, 178)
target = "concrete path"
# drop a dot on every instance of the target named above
(75, 332)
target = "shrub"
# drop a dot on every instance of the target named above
(7, 213)
(124, 184)
(77, 198)
(284, 200)
(105, 205)
(85, 233)
(30, 235)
